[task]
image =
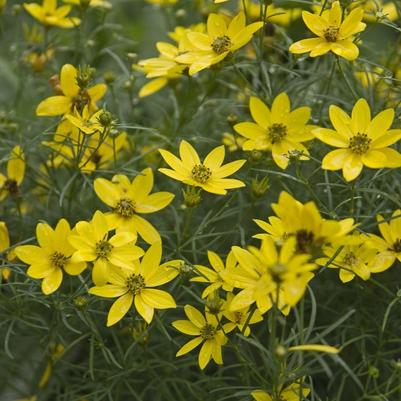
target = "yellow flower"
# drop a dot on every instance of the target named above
(129, 199)
(206, 330)
(73, 95)
(8, 255)
(334, 34)
(162, 68)
(52, 257)
(304, 222)
(238, 318)
(209, 174)
(135, 284)
(90, 3)
(279, 130)
(354, 259)
(179, 35)
(86, 123)
(232, 142)
(92, 243)
(10, 184)
(288, 393)
(218, 43)
(361, 139)
(49, 15)
(375, 9)
(328, 349)
(38, 61)
(212, 276)
(389, 245)
(267, 275)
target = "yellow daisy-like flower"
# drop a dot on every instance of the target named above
(219, 41)
(239, 318)
(130, 199)
(334, 34)
(49, 15)
(212, 276)
(6, 253)
(354, 259)
(288, 393)
(162, 69)
(136, 285)
(361, 139)
(209, 174)
(52, 257)
(73, 96)
(10, 183)
(206, 330)
(279, 130)
(267, 275)
(305, 223)
(389, 245)
(86, 123)
(90, 3)
(93, 243)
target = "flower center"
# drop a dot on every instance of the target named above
(359, 143)
(350, 259)
(238, 317)
(304, 240)
(397, 245)
(103, 249)
(276, 132)
(221, 44)
(208, 332)
(201, 173)
(81, 100)
(277, 271)
(58, 259)
(11, 186)
(125, 207)
(331, 33)
(135, 283)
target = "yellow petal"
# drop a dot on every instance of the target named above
(335, 160)
(374, 159)
(315, 23)
(108, 291)
(68, 80)
(146, 230)
(189, 346)
(352, 166)
(216, 25)
(52, 282)
(316, 348)
(119, 309)
(305, 45)
(107, 191)
(153, 86)
(158, 299)
(341, 121)
(54, 106)
(155, 202)
(194, 316)
(280, 108)
(145, 310)
(186, 327)
(215, 158)
(330, 137)
(260, 112)
(345, 48)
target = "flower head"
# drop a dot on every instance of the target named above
(209, 174)
(291, 392)
(278, 129)
(136, 283)
(52, 257)
(49, 14)
(206, 331)
(10, 183)
(333, 33)
(362, 141)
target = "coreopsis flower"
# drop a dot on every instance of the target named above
(10, 183)
(232, 142)
(52, 257)
(135, 284)
(388, 245)
(128, 199)
(362, 141)
(211, 275)
(377, 9)
(162, 68)
(8, 255)
(210, 175)
(278, 130)
(48, 14)
(179, 35)
(206, 331)
(93, 243)
(241, 318)
(355, 258)
(86, 123)
(74, 93)
(220, 40)
(266, 275)
(90, 3)
(333, 33)
(292, 392)
(305, 223)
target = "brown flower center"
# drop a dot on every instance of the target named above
(350, 259)
(397, 245)
(57, 259)
(221, 44)
(304, 240)
(208, 332)
(238, 317)
(201, 173)
(359, 143)
(125, 207)
(276, 132)
(11, 186)
(331, 33)
(135, 283)
(103, 249)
